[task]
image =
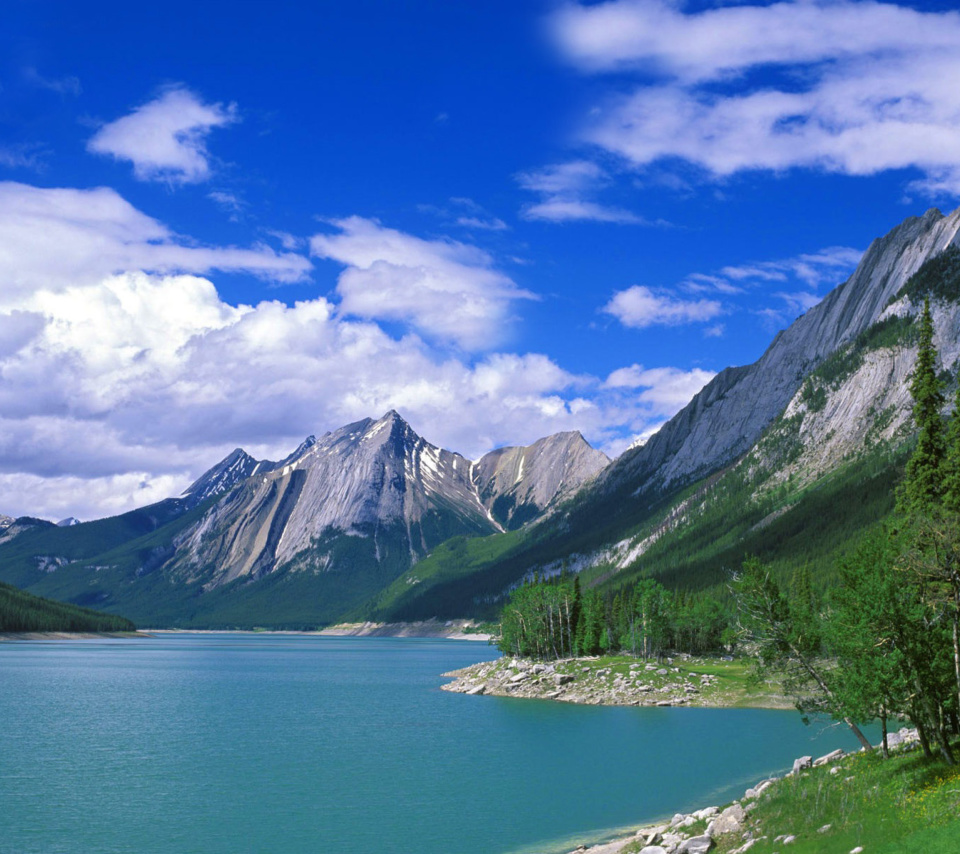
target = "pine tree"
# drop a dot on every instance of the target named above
(923, 485)
(951, 476)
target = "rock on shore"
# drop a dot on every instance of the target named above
(621, 682)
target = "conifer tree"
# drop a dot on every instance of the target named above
(923, 485)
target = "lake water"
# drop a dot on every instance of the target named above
(223, 744)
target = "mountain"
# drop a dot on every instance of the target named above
(231, 470)
(790, 457)
(304, 540)
(517, 484)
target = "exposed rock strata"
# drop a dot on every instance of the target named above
(729, 414)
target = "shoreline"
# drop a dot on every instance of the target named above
(681, 681)
(697, 832)
(35, 636)
(447, 629)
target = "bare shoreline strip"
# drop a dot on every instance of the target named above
(35, 636)
(449, 630)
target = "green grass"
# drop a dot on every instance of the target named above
(904, 804)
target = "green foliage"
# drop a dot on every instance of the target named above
(550, 619)
(937, 279)
(22, 612)
(902, 806)
(923, 484)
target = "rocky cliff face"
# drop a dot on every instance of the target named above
(225, 475)
(729, 414)
(518, 484)
(372, 480)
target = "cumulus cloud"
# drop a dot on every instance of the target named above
(639, 307)
(124, 373)
(665, 389)
(58, 238)
(566, 193)
(166, 138)
(852, 87)
(443, 288)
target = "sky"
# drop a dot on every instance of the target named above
(235, 225)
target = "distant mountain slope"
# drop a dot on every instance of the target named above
(517, 484)
(824, 411)
(301, 541)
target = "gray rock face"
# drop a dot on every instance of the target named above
(225, 475)
(731, 820)
(728, 415)
(517, 484)
(696, 845)
(371, 479)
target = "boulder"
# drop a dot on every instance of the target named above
(802, 764)
(706, 812)
(826, 760)
(562, 678)
(477, 689)
(696, 845)
(653, 849)
(731, 820)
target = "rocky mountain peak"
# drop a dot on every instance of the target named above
(236, 467)
(519, 483)
(728, 415)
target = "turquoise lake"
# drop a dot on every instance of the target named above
(222, 744)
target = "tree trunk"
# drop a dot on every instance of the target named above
(883, 726)
(802, 659)
(956, 636)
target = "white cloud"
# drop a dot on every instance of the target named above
(863, 87)
(22, 157)
(68, 85)
(122, 383)
(147, 379)
(58, 238)
(665, 389)
(165, 139)
(639, 307)
(566, 190)
(812, 269)
(445, 289)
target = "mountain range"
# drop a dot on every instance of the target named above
(305, 538)
(788, 457)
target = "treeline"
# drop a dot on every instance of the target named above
(22, 612)
(556, 619)
(886, 641)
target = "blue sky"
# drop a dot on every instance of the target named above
(237, 224)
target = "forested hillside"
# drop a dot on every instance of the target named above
(22, 612)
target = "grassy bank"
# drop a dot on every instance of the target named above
(903, 804)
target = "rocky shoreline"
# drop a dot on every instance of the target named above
(702, 830)
(611, 682)
(450, 629)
